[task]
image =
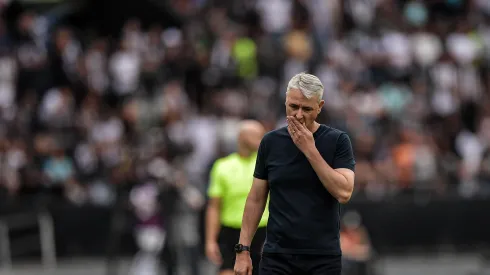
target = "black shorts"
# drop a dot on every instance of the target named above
(228, 237)
(287, 264)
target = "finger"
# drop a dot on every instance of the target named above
(217, 260)
(239, 271)
(292, 133)
(303, 127)
(290, 129)
(211, 258)
(298, 124)
(214, 256)
(292, 123)
(297, 132)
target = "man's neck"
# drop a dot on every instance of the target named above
(314, 127)
(244, 153)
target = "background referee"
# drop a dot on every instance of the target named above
(230, 182)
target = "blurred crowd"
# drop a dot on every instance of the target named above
(83, 115)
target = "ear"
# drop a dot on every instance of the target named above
(320, 105)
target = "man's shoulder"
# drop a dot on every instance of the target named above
(332, 132)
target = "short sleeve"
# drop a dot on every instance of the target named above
(344, 155)
(260, 164)
(216, 185)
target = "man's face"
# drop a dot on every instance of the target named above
(304, 109)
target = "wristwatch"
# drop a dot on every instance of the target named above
(239, 248)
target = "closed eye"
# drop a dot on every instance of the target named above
(305, 109)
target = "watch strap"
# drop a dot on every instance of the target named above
(240, 248)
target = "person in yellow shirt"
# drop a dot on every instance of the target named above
(231, 178)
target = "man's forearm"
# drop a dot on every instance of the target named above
(212, 224)
(254, 208)
(333, 181)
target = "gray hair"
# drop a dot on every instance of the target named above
(308, 84)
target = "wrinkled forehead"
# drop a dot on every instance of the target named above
(294, 96)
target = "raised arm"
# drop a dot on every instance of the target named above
(338, 179)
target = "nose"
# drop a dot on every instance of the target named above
(299, 114)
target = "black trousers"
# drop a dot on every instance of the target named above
(287, 264)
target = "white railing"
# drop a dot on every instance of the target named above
(43, 240)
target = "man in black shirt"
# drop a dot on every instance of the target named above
(308, 169)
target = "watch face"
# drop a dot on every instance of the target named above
(238, 248)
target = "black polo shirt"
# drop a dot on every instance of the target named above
(304, 218)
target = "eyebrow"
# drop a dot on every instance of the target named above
(297, 105)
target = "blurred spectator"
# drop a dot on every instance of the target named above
(124, 67)
(149, 233)
(357, 252)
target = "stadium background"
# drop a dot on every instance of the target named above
(100, 96)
